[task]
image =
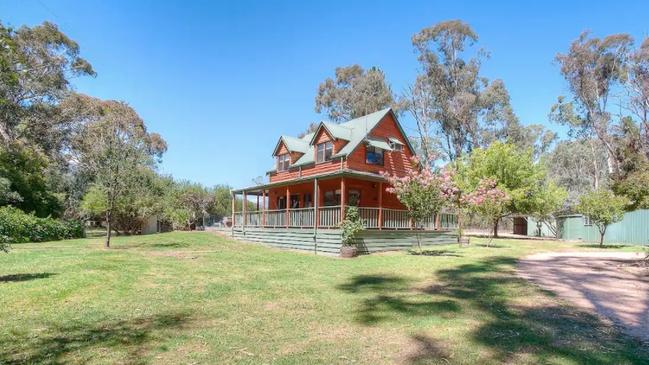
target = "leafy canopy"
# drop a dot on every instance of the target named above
(353, 93)
(603, 208)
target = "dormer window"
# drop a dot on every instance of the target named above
(283, 161)
(395, 144)
(324, 151)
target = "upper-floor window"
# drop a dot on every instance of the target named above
(395, 144)
(324, 151)
(373, 156)
(283, 161)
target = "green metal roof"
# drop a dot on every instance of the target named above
(360, 127)
(378, 143)
(395, 140)
(323, 176)
(292, 144)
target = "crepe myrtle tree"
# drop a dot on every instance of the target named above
(603, 208)
(419, 191)
(488, 201)
(454, 186)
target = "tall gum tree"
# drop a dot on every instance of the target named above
(593, 68)
(454, 107)
(115, 146)
(354, 92)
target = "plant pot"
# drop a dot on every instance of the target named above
(348, 251)
(464, 241)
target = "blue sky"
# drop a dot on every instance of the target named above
(222, 80)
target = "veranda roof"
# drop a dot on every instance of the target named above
(257, 189)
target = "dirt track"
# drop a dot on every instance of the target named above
(607, 283)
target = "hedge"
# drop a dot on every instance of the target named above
(17, 226)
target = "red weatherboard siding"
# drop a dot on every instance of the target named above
(394, 163)
(369, 193)
(283, 150)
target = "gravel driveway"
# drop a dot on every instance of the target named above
(609, 283)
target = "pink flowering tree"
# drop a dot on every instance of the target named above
(453, 188)
(489, 201)
(419, 191)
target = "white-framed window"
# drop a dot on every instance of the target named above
(373, 156)
(587, 221)
(283, 161)
(324, 151)
(395, 144)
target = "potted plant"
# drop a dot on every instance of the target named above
(350, 226)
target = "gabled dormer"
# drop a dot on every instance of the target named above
(288, 150)
(327, 140)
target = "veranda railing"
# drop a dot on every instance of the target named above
(302, 217)
(396, 219)
(329, 217)
(369, 216)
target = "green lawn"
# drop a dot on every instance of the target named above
(199, 298)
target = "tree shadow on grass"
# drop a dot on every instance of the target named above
(145, 245)
(388, 296)
(596, 245)
(487, 245)
(25, 277)
(516, 323)
(434, 253)
(427, 349)
(532, 332)
(169, 245)
(134, 336)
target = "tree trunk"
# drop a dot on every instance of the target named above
(602, 232)
(109, 230)
(496, 228)
(459, 226)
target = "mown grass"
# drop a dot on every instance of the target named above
(201, 298)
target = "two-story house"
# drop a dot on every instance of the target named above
(317, 176)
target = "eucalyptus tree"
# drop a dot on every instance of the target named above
(452, 104)
(354, 92)
(638, 88)
(594, 69)
(578, 166)
(36, 65)
(115, 147)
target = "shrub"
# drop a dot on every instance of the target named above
(17, 226)
(351, 226)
